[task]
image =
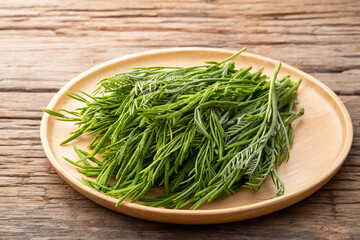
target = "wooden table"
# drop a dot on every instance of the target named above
(44, 44)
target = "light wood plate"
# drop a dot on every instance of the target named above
(323, 138)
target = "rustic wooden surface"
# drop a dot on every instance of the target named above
(43, 44)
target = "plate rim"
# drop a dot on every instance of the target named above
(286, 199)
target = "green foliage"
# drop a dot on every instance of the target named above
(201, 132)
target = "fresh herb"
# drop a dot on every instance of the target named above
(200, 132)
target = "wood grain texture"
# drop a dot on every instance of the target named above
(44, 44)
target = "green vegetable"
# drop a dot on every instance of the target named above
(200, 132)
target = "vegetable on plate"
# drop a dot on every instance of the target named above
(199, 132)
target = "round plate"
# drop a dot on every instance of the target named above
(323, 137)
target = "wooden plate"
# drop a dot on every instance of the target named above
(323, 137)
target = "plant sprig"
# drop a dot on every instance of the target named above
(200, 132)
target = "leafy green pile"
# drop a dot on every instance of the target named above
(200, 132)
